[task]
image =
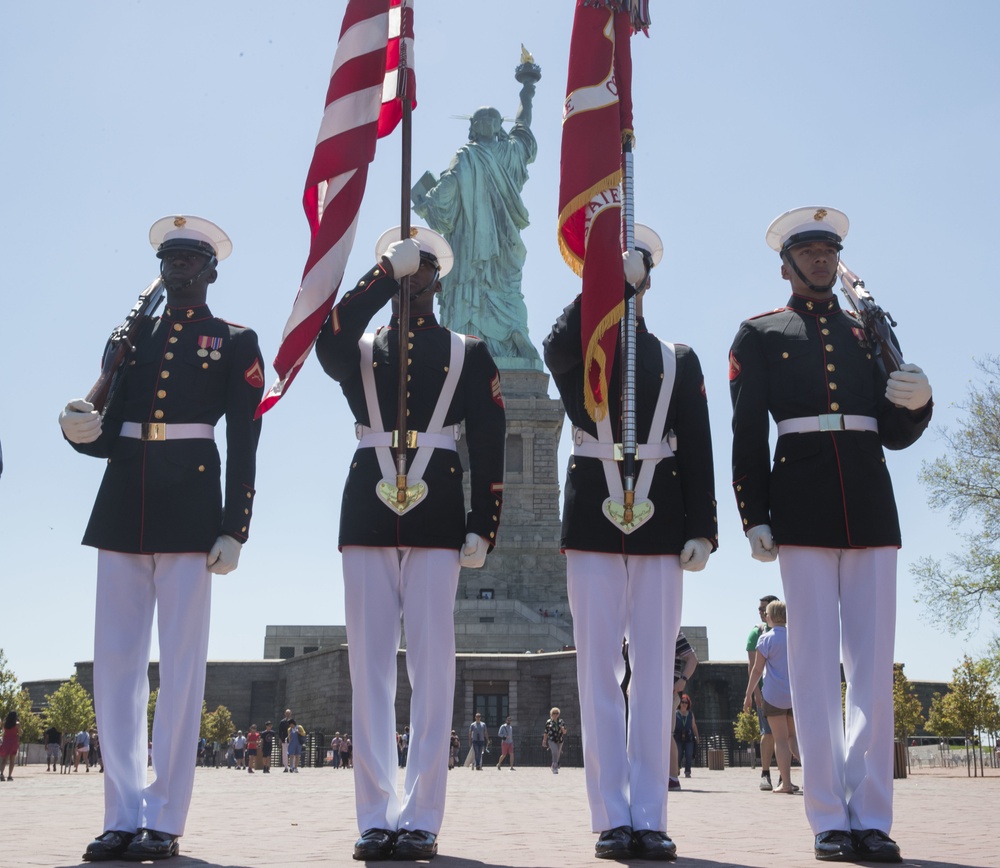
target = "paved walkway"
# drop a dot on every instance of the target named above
(529, 818)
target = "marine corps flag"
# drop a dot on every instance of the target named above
(597, 115)
(362, 105)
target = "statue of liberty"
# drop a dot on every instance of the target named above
(476, 204)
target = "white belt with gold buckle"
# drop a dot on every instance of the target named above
(827, 422)
(154, 431)
(587, 446)
(444, 439)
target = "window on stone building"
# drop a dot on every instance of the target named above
(486, 593)
(286, 652)
(486, 619)
(515, 454)
(310, 648)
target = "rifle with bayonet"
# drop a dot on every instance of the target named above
(122, 344)
(876, 322)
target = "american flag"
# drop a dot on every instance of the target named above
(597, 114)
(361, 106)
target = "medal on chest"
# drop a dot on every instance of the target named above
(209, 347)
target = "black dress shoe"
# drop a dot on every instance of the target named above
(873, 845)
(616, 843)
(150, 844)
(415, 844)
(108, 845)
(650, 844)
(835, 846)
(374, 844)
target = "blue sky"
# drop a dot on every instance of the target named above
(117, 113)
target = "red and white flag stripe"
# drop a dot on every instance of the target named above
(361, 106)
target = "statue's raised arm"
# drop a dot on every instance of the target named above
(528, 73)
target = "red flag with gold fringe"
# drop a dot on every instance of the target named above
(597, 114)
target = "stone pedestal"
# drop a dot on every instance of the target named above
(517, 601)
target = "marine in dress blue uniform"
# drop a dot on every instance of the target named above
(627, 581)
(163, 522)
(824, 507)
(404, 562)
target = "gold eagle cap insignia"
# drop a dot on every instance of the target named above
(820, 214)
(180, 222)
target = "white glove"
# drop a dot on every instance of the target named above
(80, 422)
(908, 387)
(695, 554)
(474, 551)
(762, 547)
(402, 258)
(635, 268)
(224, 556)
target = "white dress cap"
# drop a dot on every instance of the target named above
(798, 221)
(179, 227)
(429, 241)
(646, 239)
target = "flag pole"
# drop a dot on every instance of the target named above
(402, 91)
(627, 342)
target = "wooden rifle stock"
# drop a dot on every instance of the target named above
(875, 321)
(121, 344)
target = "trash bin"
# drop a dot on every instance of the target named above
(716, 759)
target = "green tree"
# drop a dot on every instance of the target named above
(906, 708)
(70, 708)
(14, 698)
(966, 482)
(969, 709)
(31, 723)
(747, 728)
(151, 711)
(9, 688)
(219, 725)
(940, 719)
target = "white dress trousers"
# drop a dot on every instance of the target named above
(637, 597)
(129, 587)
(842, 602)
(382, 585)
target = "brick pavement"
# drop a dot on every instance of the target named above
(524, 819)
